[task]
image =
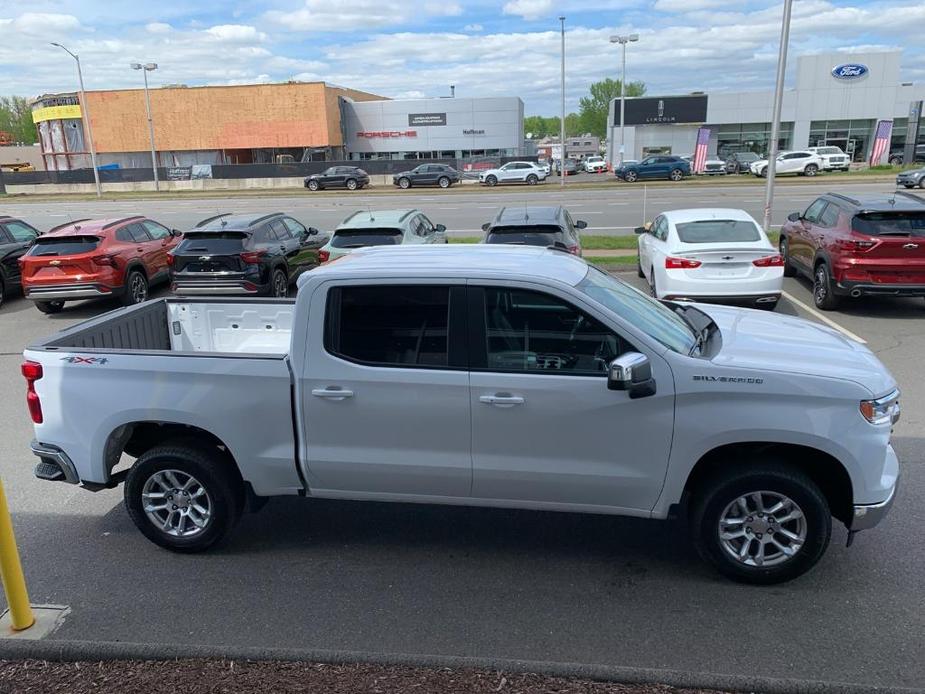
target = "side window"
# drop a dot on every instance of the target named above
(124, 234)
(281, 230)
(158, 232)
(426, 224)
(294, 227)
(264, 235)
(401, 326)
(535, 332)
(21, 232)
(814, 211)
(829, 216)
(138, 233)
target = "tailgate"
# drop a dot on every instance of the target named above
(59, 257)
(210, 251)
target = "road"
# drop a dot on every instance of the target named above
(616, 209)
(493, 583)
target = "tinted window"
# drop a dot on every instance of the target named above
(891, 223)
(357, 238)
(829, 216)
(527, 235)
(157, 231)
(717, 230)
(21, 232)
(531, 331)
(389, 325)
(813, 211)
(212, 242)
(295, 227)
(280, 229)
(64, 245)
(124, 234)
(329, 172)
(139, 235)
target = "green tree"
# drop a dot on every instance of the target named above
(16, 119)
(593, 109)
(542, 126)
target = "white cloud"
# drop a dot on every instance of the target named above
(45, 23)
(352, 15)
(473, 27)
(529, 9)
(688, 5)
(236, 33)
(158, 28)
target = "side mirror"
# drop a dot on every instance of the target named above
(640, 230)
(631, 372)
(176, 232)
(440, 228)
(312, 231)
(485, 226)
(794, 217)
(581, 224)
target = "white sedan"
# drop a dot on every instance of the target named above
(710, 255)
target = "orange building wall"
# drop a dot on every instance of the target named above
(206, 118)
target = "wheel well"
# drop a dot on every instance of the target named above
(135, 266)
(823, 469)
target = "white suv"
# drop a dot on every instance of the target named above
(514, 172)
(802, 163)
(833, 159)
(594, 164)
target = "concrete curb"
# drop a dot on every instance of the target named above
(60, 650)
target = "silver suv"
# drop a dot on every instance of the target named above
(514, 172)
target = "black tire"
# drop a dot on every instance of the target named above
(922, 182)
(716, 493)
(639, 271)
(810, 170)
(824, 296)
(763, 173)
(313, 186)
(214, 472)
(136, 288)
(2, 292)
(351, 184)
(653, 290)
(784, 247)
(630, 176)
(676, 175)
(491, 181)
(532, 180)
(279, 284)
(404, 183)
(895, 161)
(50, 306)
(444, 182)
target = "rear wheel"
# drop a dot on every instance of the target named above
(761, 523)
(404, 183)
(676, 175)
(922, 182)
(49, 306)
(630, 176)
(532, 180)
(1, 292)
(313, 186)
(136, 289)
(789, 270)
(444, 182)
(810, 170)
(279, 285)
(185, 498)
(824, 296)
(351, 184)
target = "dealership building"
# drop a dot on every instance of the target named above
(836, 99)
(270, 123)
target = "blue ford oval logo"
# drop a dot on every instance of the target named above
(849, 71)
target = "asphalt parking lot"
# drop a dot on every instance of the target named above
(490, 583)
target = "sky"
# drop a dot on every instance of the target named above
(418, 48)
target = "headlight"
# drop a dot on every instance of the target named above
(883, 410)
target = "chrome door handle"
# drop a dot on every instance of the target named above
(332, 393)
(502, 400)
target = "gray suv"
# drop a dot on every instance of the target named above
(535, 226)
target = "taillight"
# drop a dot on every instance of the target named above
(32, 371)
(681, 263)
(253, 257)
(769, 261)
(104, 260)
(324, 256)
(854, 245)
(170, 259)
(574, 250)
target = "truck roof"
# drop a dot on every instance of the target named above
(487, 261)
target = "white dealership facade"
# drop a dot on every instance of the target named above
(835, 99)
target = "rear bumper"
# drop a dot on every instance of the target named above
(874, 289)
(769, 298)
(54, 464)
(217, 283)
(70, 292)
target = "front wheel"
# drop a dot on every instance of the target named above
(491, 181)
(1, 292)
(49, 306)
(313, 186)
(922, 182)
(532, 180)
(762, 523)
(639, 271)
(676, 175)
(404, 183)
(824, 296)
(444, 182)
(351, 184)
(185, 498)
(630, 176)
(764, 172)
(810, 170)
(653, 290)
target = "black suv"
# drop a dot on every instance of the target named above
(349, 177)
(535, 226)
(244, 254)
(427, 175)
(16, 237)
(738, 162)
(898, 155)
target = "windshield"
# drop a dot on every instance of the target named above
(718, 230)
(890, 223)
(357, 238)
(643, 312)
(747, 156)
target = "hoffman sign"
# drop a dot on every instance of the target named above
(387, 133)
(657, 110)
(849, 71)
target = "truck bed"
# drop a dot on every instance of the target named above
(228, 326)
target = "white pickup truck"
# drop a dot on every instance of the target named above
(499, 376)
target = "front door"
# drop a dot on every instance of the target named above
(545, 428)
(802, 242)
(386, 401)
(21, 237)
(162, 242)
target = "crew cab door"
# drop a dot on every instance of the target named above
(384, 392)
(545, 428)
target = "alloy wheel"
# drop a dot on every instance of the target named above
(821, 285)
(351, 184)
(280, 285)
(404, 183)
(676, 175)
(444, 182)
(138, 289)
(176, 503)
(762, 528)
(630, 177)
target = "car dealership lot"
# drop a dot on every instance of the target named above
(538, 586)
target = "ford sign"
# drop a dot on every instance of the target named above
(849, 71)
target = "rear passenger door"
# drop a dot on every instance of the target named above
(385, 392)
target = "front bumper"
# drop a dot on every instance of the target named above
(908, 180)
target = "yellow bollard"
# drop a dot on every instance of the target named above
(14, 583)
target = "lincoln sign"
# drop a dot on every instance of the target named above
(668, 109)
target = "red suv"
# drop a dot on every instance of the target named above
(90, 259)
(855, 246)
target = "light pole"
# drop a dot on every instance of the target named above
(623, 40)
(775, 116)
(85, 110)
(562, 122)
(145, 69)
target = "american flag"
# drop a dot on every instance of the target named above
(881, 142)
(700, 152)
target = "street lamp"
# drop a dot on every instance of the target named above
(146, 68)
(85, 109)
(623, 40)
(775, 115)
(562, 122)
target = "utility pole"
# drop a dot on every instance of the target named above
(85, 113)
(562, 123)
(145, 69)
(775, 116)
(623, 40)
